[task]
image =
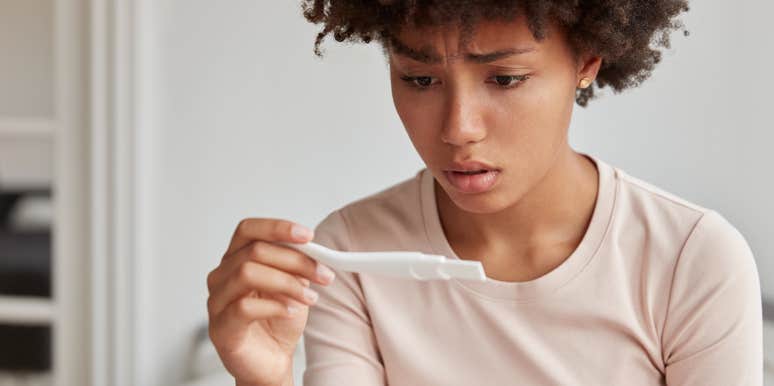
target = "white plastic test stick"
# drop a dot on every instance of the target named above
(404, 264)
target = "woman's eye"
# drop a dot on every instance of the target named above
(503, 81)
(507, 81)
(420, 82)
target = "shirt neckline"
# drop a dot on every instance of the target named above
(549, 282)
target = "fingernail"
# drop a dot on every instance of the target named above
(292, 310)
(310, 294)
(300, 232)
(324, 273)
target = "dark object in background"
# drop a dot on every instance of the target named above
(25, 348)
(25, 270)
(25, 256)
(25, 263)
(7, 201)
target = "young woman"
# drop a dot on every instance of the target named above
(594, 277)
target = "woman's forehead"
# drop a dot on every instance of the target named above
(447, 42)
(484, 42)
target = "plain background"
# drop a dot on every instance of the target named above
(249, 123)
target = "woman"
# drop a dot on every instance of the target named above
(594, 277)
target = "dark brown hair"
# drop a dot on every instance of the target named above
(627, 34)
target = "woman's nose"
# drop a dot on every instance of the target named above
(463, 121)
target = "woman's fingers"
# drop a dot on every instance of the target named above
(248, 309)
(225, 328)
(268, 229)
(252, 276)
(277, 256)
(289, 302)
(260, 280)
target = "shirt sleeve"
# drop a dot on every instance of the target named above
(713, 332)
(339, 341)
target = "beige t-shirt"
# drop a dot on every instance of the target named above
(659, 291)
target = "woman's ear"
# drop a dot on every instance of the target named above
(588, 67)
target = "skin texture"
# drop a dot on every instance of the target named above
(540, 207)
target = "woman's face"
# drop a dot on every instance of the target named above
(511, 111)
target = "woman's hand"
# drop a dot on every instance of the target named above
(259, 300)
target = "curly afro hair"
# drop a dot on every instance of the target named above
(627, 34)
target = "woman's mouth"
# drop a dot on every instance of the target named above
(474, 181)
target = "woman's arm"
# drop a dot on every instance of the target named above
(713, 329)
(339, 341)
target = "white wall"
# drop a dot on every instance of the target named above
(26, 93)
(248, 122)
(26, 66)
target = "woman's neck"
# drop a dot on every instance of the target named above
(535, 234)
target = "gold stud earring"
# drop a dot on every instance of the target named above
(584, 82)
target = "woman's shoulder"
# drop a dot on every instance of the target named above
(396, 193)
(645, 190)
(702, 235)
(644, 207)
(383, 215)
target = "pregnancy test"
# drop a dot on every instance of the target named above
(403, 264)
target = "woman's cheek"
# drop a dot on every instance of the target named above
(403, 106)
(419, 112)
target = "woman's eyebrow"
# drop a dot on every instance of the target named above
(429, 56)
(497, 55)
